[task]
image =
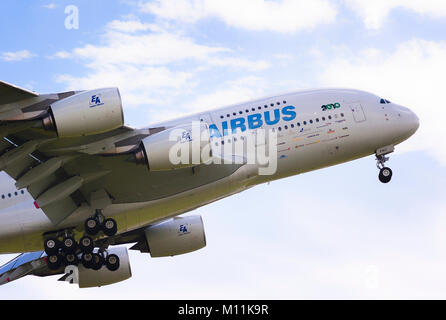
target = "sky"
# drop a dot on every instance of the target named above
(335, 233)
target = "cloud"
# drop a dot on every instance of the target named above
(49, 6)
(259, 15)
(16, 56)
(149, 64)
(374, 13)
(412, 75)
(132, 26)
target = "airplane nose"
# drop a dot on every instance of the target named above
(412, 122)
(408, 122)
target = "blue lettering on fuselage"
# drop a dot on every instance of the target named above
(253, 121)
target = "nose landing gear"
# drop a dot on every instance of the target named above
(385, 173)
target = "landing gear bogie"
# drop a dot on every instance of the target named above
(62, 249)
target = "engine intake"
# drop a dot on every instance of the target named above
(178, 147)
(86, 113)
(177, 236)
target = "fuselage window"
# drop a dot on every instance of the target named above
(265, 106)
(329, 117)
(323, 118)
(286, 127)
(253, 109)
(228, 115)
(311, 121)
(15, 193)
(298, 124)
(317, 119)
(246, 110)
(280, 129)
(9, 195)
(221, 117)
(234, 113)
(305, 123)
(272, 104)
(3, 196)
(292, 125)
(278, 103)
(241, 112)
(342, 115)
(284, 101)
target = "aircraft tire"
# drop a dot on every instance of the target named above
(54, 261)
(86, 244)
(69, 245)
(98, 261)
(110, 227)
(112, 262)
(51, 246)
(91, 226)
(87, 259)
(71, 259)
(385, 175)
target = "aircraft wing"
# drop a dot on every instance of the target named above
(62, 174)
(10, 93)
(22, 265)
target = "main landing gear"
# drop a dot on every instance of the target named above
(385, 173)
(62, 248)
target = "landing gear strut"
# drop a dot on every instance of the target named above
(385, 173)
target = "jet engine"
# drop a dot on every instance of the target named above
(178, 147)
(86, 113)
(91, 278)
(177, 236)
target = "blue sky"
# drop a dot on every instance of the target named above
(333, 233)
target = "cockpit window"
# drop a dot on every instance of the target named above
(384, 101)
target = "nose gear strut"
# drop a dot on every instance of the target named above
(385, 173)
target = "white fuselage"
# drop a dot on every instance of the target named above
(355, 124)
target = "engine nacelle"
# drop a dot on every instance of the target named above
(92, 278)
(178, 147)
(177, 236)
(86, 113)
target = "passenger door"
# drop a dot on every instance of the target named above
(358, 112)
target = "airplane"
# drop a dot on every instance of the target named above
(78, 184)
